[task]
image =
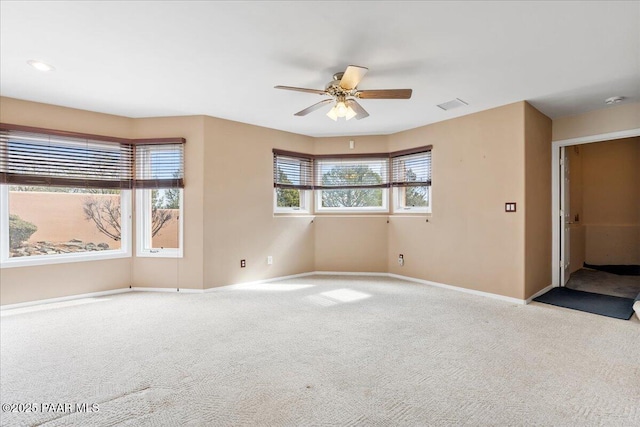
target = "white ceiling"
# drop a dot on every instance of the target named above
(142, 59)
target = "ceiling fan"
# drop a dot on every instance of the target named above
(343, 90)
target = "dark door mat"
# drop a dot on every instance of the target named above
(622, 270)
(604, 305)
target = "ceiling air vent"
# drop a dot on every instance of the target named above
(452, 104)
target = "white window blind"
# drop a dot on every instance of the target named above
(31, 158)
(292, 170)
(367, 171)
(411, 168)
(159, 165)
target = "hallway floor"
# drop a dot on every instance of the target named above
(601, 282)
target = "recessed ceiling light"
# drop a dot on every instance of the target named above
(40, 66)
(613, 100)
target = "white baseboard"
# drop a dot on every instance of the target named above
(258, 282)
(348, 273)
(540, 292)
(460, 289)
(62, 299)
(177, 290)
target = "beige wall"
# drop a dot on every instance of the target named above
(610, 119)
(49, 281)
(238, 203)
(469, 241)
(611, 201)
(537, 162)
(351, 242)
(480, 161)
(223, 223)
(361, 144)
(186, 272)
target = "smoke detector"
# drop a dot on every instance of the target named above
(613, 100)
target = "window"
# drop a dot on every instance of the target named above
(159, 207)
(352, 184)
(62, 199)
(292, 181)
(292, 200)
(411, 180)
(57, 224)
(66, 197)
(160, 222)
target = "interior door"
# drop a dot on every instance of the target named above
(565, 217)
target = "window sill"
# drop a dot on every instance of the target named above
(62, 259)
(293, 212)
(382, 212)
(160, 253)
(411, 213)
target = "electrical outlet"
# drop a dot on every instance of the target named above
(401, 259)
(269, 260)
(243, 263)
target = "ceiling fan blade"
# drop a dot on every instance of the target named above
(301, 89)
(385, 94)
(361, 113)
(314, 107)
(352, 76)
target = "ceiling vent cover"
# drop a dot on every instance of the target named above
(452, 104)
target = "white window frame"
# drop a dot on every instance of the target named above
(143, 228)
(360, 209)
(304, 208)
(340, 209)
(123, 252)
(398, 208)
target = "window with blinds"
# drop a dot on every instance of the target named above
(351, 172)
(29, 158)
(65, 196)
(292, 170)
(411, 168)
(64, 159)
(351, 183)
(159, 165)
(411, 180)
(354, 182)
(292, 180)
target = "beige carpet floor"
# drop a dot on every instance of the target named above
(322, 350)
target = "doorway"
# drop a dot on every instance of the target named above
(596, 213)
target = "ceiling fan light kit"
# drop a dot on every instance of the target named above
(343, 90)
(341, 110)
(613, 100)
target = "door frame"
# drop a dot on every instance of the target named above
(555, 189)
